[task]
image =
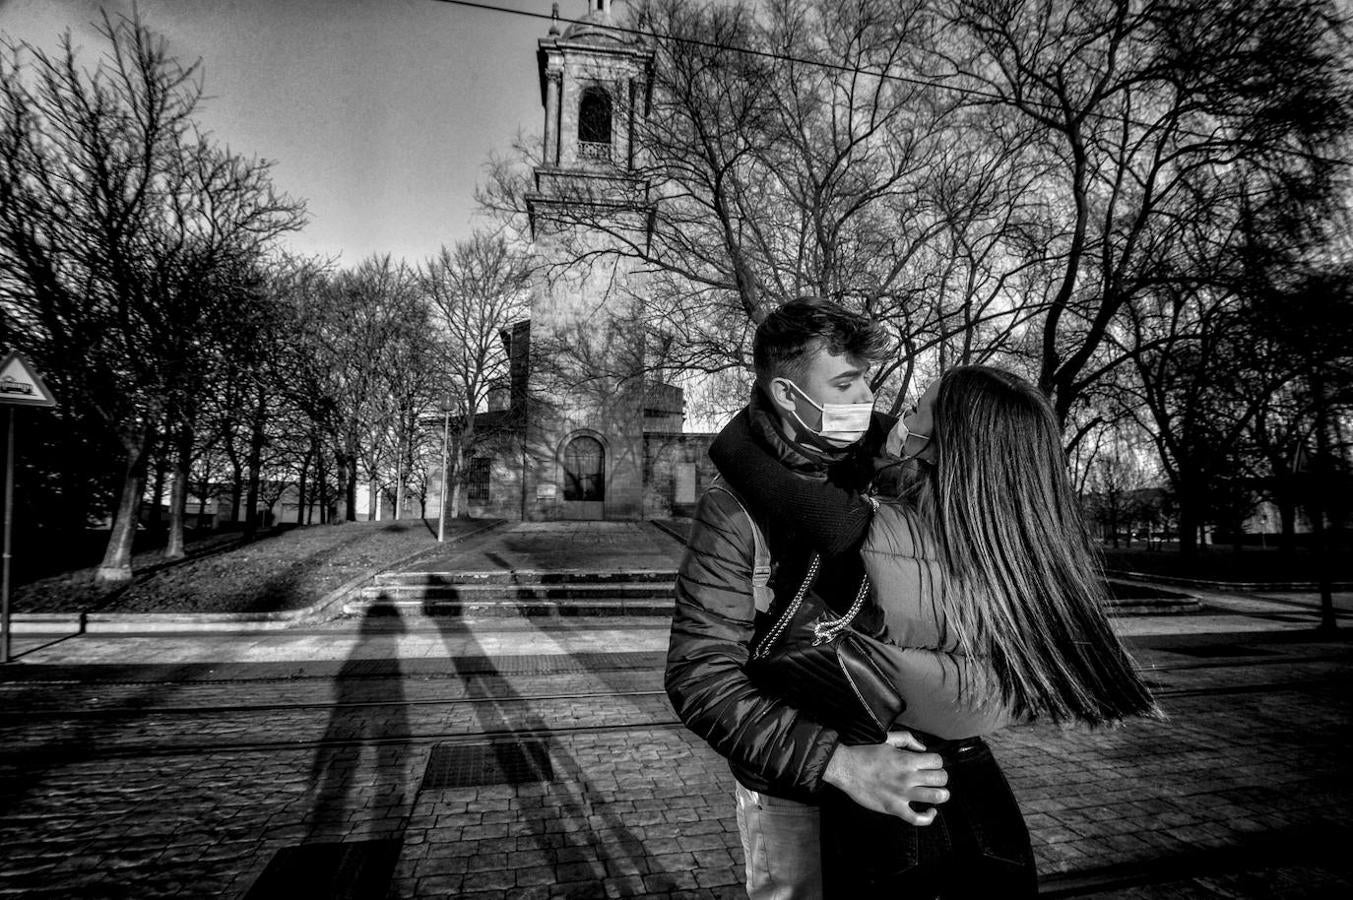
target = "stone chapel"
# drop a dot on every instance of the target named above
(586, 430)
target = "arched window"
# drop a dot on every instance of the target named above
(594, 117)
(584, 469)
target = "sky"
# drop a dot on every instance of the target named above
(380, 114)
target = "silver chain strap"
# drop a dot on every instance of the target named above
(822, 631)
(788, 615)
(825, 631)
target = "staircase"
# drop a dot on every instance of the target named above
(592, 593)
(1128, 598)
(517, 593)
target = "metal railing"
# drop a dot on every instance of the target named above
(594, 150)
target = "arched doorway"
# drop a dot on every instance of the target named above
(584, 470)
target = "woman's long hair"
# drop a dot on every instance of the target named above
(1027, 590)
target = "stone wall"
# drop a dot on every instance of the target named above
(677, 469)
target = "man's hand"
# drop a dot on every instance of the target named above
(889, 777)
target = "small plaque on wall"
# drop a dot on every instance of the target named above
(684, 489)
(546, 491)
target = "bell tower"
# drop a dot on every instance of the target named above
(584, 429)
(596, 86)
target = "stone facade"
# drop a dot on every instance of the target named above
(677, 469)
(597, 435)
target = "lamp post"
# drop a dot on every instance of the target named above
(441, 503)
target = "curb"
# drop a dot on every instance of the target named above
(509, 609)
(159, 623)
(666, 528)
(536, 576)
(1173, 581)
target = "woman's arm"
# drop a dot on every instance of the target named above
(864, 687)
(947, 694)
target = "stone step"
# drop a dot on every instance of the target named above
(533, 587)
(1127, 598)
(525, 577)
(478, 593)
(458, 608)
(406, 605)
(1153, 607)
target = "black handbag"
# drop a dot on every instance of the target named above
(816, 662)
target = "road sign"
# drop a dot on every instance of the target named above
(20, 384)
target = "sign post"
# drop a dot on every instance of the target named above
(20, 385)
(441, 500)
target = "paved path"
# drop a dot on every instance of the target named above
(530, 758)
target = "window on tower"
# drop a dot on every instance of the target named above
(594, 124)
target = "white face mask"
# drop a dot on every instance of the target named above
(842, 423)
(903, 433)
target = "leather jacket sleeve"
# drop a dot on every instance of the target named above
(772, 746)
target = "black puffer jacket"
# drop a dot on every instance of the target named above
(770, 746)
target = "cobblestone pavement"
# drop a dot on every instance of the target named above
(539, 758)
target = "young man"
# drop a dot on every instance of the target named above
(812, 409)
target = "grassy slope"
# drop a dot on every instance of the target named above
(1224, 563)
(286, 569)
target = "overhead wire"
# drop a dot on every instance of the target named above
(839, 67)
(746, 51)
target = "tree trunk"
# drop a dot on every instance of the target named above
(300, 488)
(236, 489)
(1324, 459)
(202, 499)
(323, 477)
(256, 440)
(457, 465)
(1189, 522)
(1287, 515)
(117, 559)
(74, 485)
(178, 495)
(349, 488)
(156, 518)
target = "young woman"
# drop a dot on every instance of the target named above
(986, 589)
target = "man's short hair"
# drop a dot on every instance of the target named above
(788, 337)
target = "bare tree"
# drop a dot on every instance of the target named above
(1162, 119)
(338, 365)
(475, 291)
(115, 213)
(410, 364)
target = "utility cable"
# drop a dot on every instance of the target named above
(1051, 109)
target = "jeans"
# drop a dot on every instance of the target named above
(781, 840)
